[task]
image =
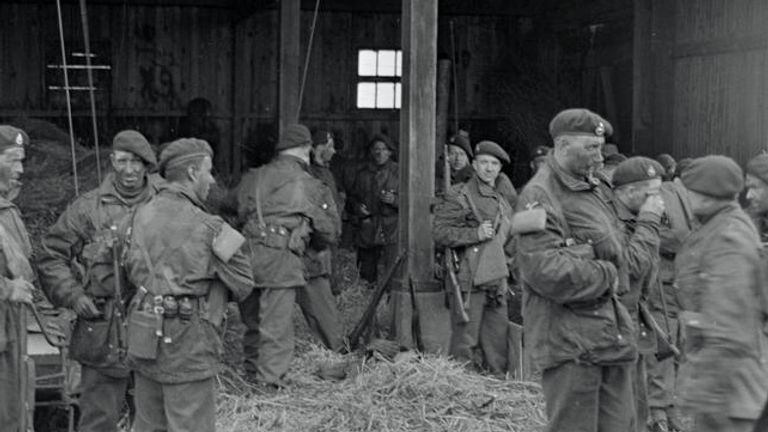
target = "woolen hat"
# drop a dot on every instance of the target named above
(183, 150)
(383, 138)
(682, 164)
(12, 137)
(134, 142)
(758, 167)
(579, 122)
(493, 149)
(636, 169)
(461, 141)
(294, 135)
(714, 176)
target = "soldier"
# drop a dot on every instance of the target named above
(637, 182)
(284, 210)
(724, 381)
(16, 287)
(83, 235)
(459, 156)
(664, 303)
(572, 272)
(475, 219)
(757, 194)
(539, 158)
(374, 203)
(186, 263)
(316, 299)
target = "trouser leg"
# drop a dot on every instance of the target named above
(150, 408)
(571, 392)
(191, 407)
(102, 400)
(465, 336)
(661, 374)
(249, 314)
(367, 262)
(276, 342)
(318, 305)
(616, 408)
(10, 380)
(640, 391)
(493, 337)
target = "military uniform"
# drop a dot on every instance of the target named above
(185, 263)
(576, 329)
(662, 375)
(77, 260)
(724, 381)
(377, 231)
(456, 223)
(284, 210)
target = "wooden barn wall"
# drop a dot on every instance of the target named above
(716, 53)
(514, 72)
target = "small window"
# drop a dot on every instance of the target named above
(379, 73)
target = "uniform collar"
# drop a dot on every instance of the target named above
(481, 187)
(725, 209)
(6, 203)
(571, 182)
(183, 191)
(292, 159)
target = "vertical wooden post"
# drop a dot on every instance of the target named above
(443, 97)
(641, 79)
(417, 179)
(290, 32)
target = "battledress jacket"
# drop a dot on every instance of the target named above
(722, 282)
(15, 250)
(171, 254)
(380, 226)
(77, 259)
(457, 218)
(318, 262)
(573, 271)
(298, 211)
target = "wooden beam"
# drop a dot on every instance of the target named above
(417, 179)
(662, 88)
(721, 46)
(290, 32)
(641, 79)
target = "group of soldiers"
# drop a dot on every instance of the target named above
(642, 284)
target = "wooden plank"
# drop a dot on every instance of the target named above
(290, 32)
(721, 46)
(642, 121)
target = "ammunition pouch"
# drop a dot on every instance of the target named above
(272, 236)
(145, 328)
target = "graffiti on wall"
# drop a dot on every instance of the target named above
(158, 70)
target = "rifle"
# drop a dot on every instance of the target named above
(458, 300)
(415, 318)
(667, 348)
(370, 311)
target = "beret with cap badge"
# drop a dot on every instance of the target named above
(134, 142)
(715, 176)
(12, 137)
(636, 169)
(493, 149)
(579, 122)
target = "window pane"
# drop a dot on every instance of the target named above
(366, 95)
(385, 95)
(386, 66)
(399, 68)
(366, 64)
(398, 95)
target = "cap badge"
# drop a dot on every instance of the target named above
(651, 172)
(19, 140)
(600, 129)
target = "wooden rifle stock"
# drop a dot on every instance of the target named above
(458, 300)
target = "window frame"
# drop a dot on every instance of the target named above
(396, 79)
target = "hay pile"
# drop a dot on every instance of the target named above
(412, 393)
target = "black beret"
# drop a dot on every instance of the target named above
(682, 164)
(134, 142)
(294, 135)
(493, 149)
(714, 176)
(758, 167)
(183, 150)
(540, 151)
(614, 159)
(666, 160)
(461, 140)
(383, 138)
(321, 137)
(12, 137)
(580, 122)
(637, 169)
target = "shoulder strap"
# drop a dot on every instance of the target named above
(259, 213)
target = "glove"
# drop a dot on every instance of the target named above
(20, 290)
(84, 308)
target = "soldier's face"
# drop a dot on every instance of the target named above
(324, 153)
(380, 153)
(487, 168)
(582, 153)
(639, 192)
(457, 157)
(11, 169)
(129, 169)
(757, 194)
(203, 178)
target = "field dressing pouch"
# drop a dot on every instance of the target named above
(529, 221)
(145, 328)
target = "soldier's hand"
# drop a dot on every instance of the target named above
(53, 329)
(653, 204)
(85, 308)
(485, 231)
(21, 290)
(388, 197)
(364, 210)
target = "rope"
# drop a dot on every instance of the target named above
(69, 101)
(306, 59)
(91, 89)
